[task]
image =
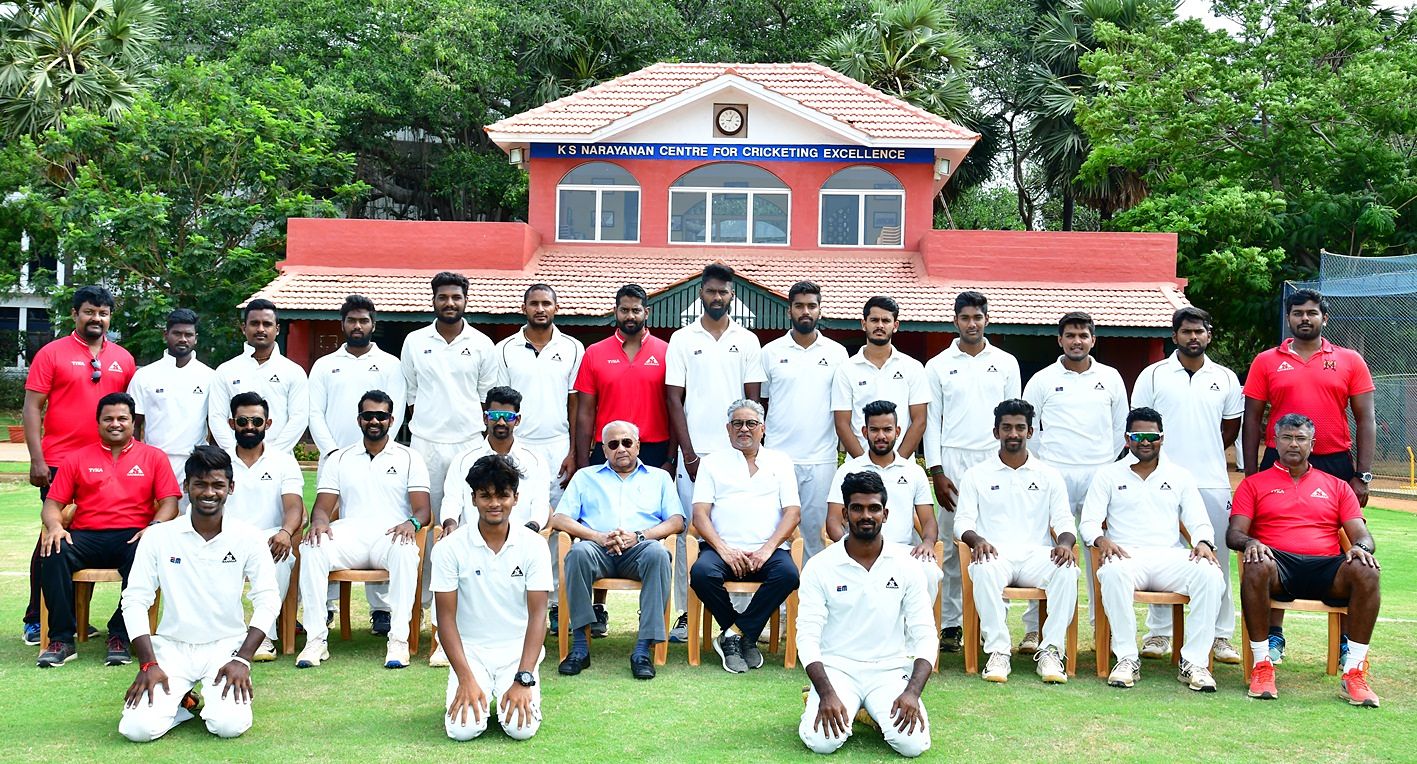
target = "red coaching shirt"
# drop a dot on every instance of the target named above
(63, 370)
(109, 493)
(632, 391)
(1299, 518)
(1318, 388)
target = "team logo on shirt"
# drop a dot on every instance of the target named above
(993, 488)
(897, 375)
(275, 378)
(1318, 494)
(891, 584)
(196, 390)
(821, 362)
(175, 560)
(373, 367)
(556, 357)
(115, 367)
(1121, 488)
(841, 587)
(136, 471)
(1099, 386)
(733, 348)
(391, 470)
(158, 391)
(96, 470)
(1214, 386)
(1033, 486)
(1330, 365)
(700, 351)
(862, 383)
(426, 351)
(1273, 491)
(465, 351)
(336, 370)
(992, 368)
(784, 360)
(517, 571)
(1058, 389)
(229, 557)
(1165, 486)
(902, 481)
(953, 372)
(651, 362)
(266, 476)
(1284, 366)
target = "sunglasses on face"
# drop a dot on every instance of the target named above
(250, 421)
(1144, 437)
(744, 424)
(503, 416)
(616, 445)
(375, 416)
(97, 371)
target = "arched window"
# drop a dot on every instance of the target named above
(729, 203)
(862, 207)
(598, 201)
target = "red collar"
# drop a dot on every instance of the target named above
(1287, 346)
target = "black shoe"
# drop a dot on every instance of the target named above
(57, 654)
(641, 667)
(329, 618)
(951, 639)
(751, 654)
(118, 652)
(379, 623)
(553, 613)
(574, 664)
(680, 633)
(602, 623)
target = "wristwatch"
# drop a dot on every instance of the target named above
(1208, 543)
(526, 679)
(1366, 477)
(639, 537)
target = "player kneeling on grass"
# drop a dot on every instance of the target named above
(865, 630)
(490, 584)
(201, 563)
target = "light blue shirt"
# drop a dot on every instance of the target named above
(598, 498)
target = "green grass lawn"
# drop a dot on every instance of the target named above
(352, 709)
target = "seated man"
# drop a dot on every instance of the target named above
(1006, 507)
(490, 584)
(1144, 500)
(381, 490)
(119, 487)
(201, 562)
(865, 630)
(617, 512)
(267, 491)
(745, 508)
(1286, 522)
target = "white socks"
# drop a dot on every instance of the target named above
(1260, 650)
(1357, 653)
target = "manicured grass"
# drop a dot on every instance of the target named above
(18, 468)
(351, 709)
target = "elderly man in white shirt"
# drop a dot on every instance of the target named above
(201, 562)
(746, 509)
(865, 631)
(1007, 506)
(1144, 500)
(166, 392)
(281, 381)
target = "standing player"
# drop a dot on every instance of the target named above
(166, 393)
(880, 372)
(264, 370)
(622, 379)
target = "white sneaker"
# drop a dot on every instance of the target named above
(438, 659)
(1155, 647)
(1224, 652)
(1049, 665)
(998, 668)
(1029, 644)
(396, 656)
(266, 652)
(316, 650)
(1196, 676)
(1126, 673)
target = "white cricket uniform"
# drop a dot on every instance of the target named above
(746, 508)
(1192, 408)
(867, 628)
(533, 504)
(906, 487)
(166, 396)
(202, 619)
(1144, 517)
(279, 380)
(492, 617)
(257, 499)
(900, 380)
(1014, 510)
(959, 433)
(797, 385)
(546, 379)
(373, 498)
(338, 381)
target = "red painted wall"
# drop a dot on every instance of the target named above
(1051, 256)
(409, 245)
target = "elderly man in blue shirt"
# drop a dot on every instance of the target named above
(617, 512)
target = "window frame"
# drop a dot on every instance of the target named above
(710, 191)
(599, 190)
(860, 194)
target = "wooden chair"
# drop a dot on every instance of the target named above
(285, 622)
(563, 608)
(380, 576)
(701, 621)
(84, 580)
(1335, 618)
(971, 637)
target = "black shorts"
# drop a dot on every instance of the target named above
(1307, 576)
(1338, 464)
(652, 454)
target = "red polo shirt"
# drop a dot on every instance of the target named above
(62, 371)
(1318, 388)
(109, 493)
(628, 390)
(1299, 518)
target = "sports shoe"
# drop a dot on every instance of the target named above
(1155, 647)
(57, 654)
(31, 634)
(1029, 644)
(553, 613)
(1343, 651)
(729, 647)
(951, 639)
(1276, 649)
(438, 658)
(998, 668)
(266, 652)
(396, 655)
(601, 627)
(316, 650)
(379, 623)
(118, 652)
(680, 632)
(1049, 665)
(1262, 681)
(1224, 652)
(1125, 673)
(1353, 687)
(1196, 676)
(751, 655)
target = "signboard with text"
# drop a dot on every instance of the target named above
(733, 152)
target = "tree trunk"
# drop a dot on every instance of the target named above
(1068, 202)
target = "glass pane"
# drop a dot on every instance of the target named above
(729, 175)
(599, 174)
(577, 216)
(863, 177)
(730, 219)
(770, 219)
(619, 215)
(883, 220)
(687, 216)
(840, 219)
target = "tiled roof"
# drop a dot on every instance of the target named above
(814, 86)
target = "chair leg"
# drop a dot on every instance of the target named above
(292, 606)
(1335, 632)
(415, 625)
(152, 613)
(661, 650)
(43, 623)
(1102, 637)
(969, 621)
(1178, 631)
(1073, 645)
(563, 617)
(83, 598)
(1247, 656)
(775, 631)
(790, 650)
(693, 636)
(344, 632)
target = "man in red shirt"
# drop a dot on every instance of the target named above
(118, 486)
(66, 380)
(1286, 521)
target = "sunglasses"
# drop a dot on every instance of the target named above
(97, 371)
(744, 424)
(616, 445)
(375, 416)
(502, 416)
(250, 421)
(1144, 437)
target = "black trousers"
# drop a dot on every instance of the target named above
(87, 549)
(778, 578)
(32, 608)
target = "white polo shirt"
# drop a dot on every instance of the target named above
(492, 589)
(712, 373)
(906, 486)
(1144, 513)
(1079, 417)
(279, 380)
(374, 488)
(533, 490)
(255, 499)
(1192, 406)
(852, 619)
(167, 397)
(201, 582)
(338, 381)
(1013, 507)
(746, 508)
(797, 382)
(544, 379)
(447, 382)
(900, 380)
(964, 389)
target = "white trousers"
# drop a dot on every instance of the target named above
(494, 682)
(1158, 617)
(179, 470)
(1161, 569)
(438, 457)
(876, 691)
(813, 487)
(283, 571)
(551, 452)
(187, 664)
(1078, 478)
(359, 544)
(1023, 566)
(955, 462)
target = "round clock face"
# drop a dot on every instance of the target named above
(730, 121)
